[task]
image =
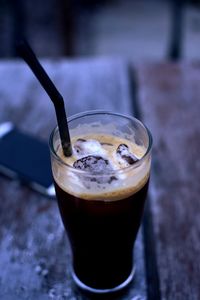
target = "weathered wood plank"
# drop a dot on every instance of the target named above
(34, 251)
(169, 99)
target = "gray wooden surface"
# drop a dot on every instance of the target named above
(169, 97)
(34, 250)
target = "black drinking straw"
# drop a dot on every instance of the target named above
(28, 55)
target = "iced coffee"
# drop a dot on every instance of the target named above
(101, 191)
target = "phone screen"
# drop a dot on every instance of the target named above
(27, 157)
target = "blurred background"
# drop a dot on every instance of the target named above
(137, 29)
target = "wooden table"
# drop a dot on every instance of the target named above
(34, 250)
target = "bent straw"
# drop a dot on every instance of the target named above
(30, 58)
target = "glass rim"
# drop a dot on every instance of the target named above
(101, 112)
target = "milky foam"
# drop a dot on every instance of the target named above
(127, 179)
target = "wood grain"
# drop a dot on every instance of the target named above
(34, 251)
(169, 98)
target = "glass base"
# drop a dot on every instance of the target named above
(87, 288)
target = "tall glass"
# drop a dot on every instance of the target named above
(102, 213)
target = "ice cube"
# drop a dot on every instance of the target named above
(96, 165)
(84, 147)
(78, 146)
(93, 164)
(125, 154)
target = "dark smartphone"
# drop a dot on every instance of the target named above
(26, 158)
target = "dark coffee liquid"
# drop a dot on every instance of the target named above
(102, 234)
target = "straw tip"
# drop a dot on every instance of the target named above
(21, 46)
(19, 43)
